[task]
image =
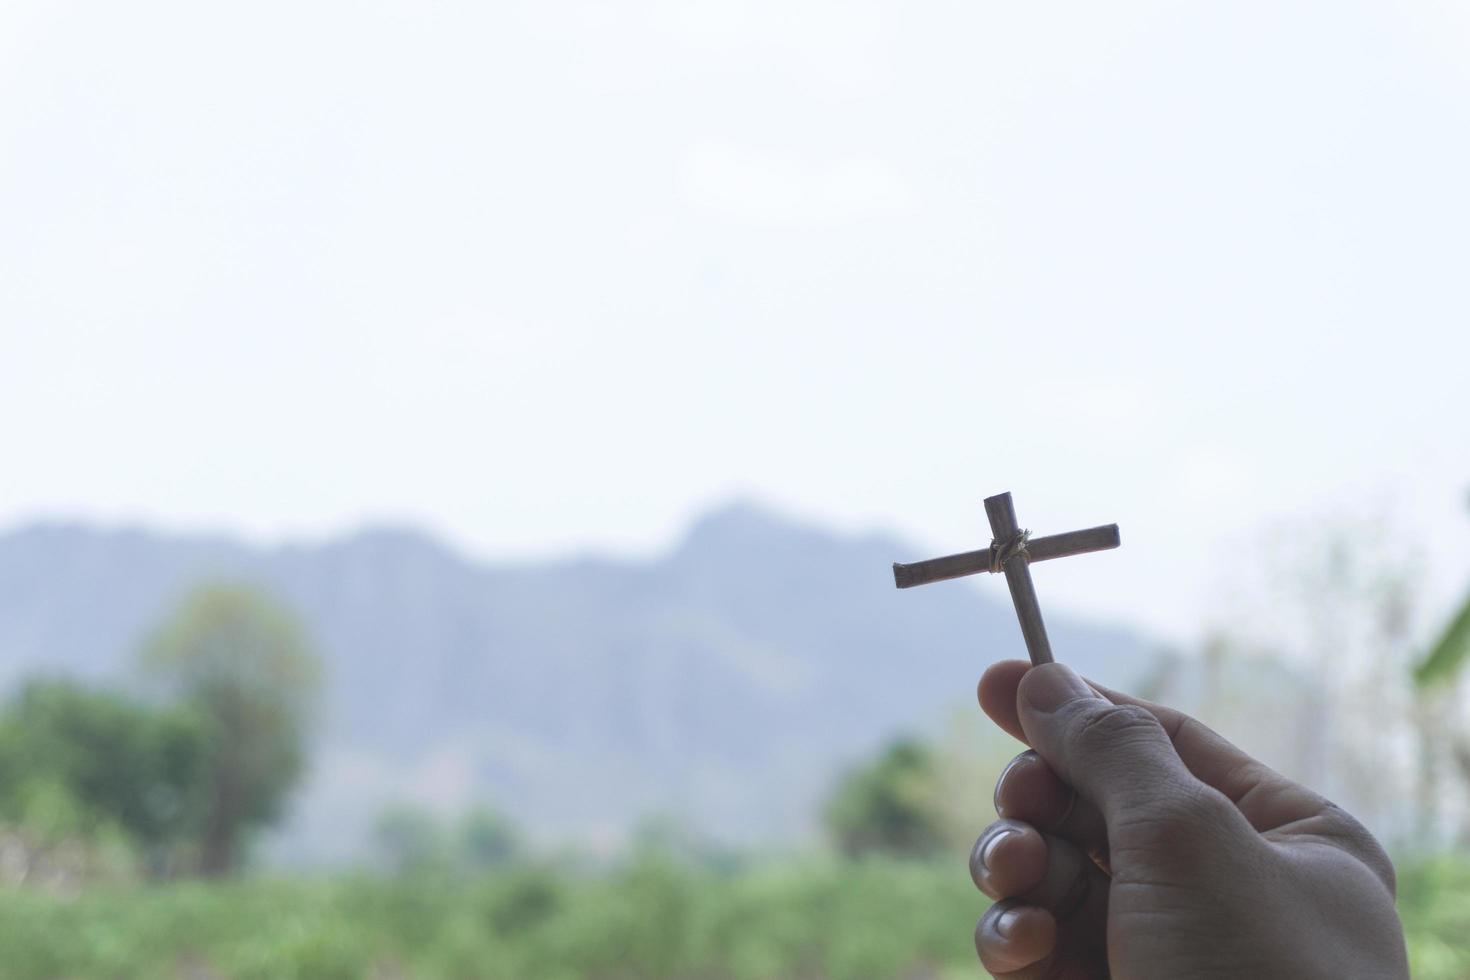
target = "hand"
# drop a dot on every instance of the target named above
(1134, 843)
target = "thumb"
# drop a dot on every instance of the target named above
(1117, 756)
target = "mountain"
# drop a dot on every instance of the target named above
(725, 681)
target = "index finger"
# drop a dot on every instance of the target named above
(1266, 798)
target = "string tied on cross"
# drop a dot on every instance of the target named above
(1002, 553)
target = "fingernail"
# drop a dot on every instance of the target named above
(1026, 756)
(989, 847)
(1050, 686)
(1006, 922)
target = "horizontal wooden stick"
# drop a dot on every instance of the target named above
(1038, 549)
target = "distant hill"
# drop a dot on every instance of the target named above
(725, 681)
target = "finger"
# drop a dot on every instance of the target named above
(1008, 860)
(1210, 757)
(1268, 801)
(1012, 860)
(1266, 798)
(1016, 941)
(1042, 944)
(1081, 951)
(1116, 756)
(1273, 804)
(1029, 790)
(997, 694)
(1279, 808)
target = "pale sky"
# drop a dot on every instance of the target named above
(546, 277)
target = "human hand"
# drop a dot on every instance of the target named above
(1135, 843)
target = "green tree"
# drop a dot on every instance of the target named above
(242, 661)
(889, 806)
(76, 762)
(486, 840)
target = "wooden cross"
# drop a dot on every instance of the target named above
(1011, 551)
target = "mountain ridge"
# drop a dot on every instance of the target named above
(723, 680)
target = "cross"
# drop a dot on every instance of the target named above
(1012, 551)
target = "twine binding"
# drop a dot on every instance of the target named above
(1002, 553)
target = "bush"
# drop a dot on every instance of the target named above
(655, 920)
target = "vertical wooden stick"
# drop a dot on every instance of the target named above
(1002, 515)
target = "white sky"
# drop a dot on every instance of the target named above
(545, 276)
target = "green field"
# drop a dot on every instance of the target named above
(813, 921)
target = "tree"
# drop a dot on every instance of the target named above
(76, 762)
(486, 840)
(889, 806)
(241, 661)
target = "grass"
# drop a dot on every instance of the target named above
(652, 921)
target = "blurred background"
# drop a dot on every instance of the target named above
(453, 454)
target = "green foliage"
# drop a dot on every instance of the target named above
(89, 767)
(890, 806)
(667, 837)
(1434, 902)
(1448, 655)
(651, 921)
(76, 762)
(242, 662)
(485, 840)
(654, 920)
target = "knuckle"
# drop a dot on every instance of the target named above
(1112, 725)
(1360, 842)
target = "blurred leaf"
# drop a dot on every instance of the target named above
(1446, 658)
